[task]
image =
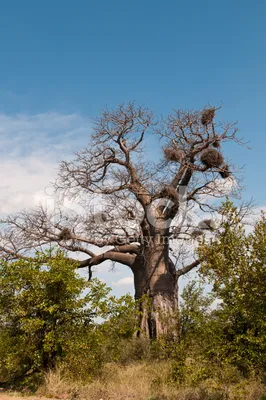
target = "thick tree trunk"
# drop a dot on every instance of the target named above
(155, 278)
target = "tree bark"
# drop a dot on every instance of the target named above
(156, 284)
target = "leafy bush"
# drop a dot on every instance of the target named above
(48, 318)
(235, 264)
(53, 320)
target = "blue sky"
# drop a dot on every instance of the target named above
(62, 61)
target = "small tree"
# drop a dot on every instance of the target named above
(194, 311)
(42, 307)
(234, 263)
(144, 201)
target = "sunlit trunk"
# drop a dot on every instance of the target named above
(155, 279)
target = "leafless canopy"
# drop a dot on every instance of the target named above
(131, 162)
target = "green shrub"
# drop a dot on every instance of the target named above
(48, 318)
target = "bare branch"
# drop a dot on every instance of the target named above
(188, 268)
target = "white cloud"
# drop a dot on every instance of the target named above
(31, 146)
(127, 281)
(30, 149)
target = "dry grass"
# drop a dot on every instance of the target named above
(146, 381)
(17, 396)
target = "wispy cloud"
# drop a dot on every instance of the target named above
(127, 281)
(30, 148)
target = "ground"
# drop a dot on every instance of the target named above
(6, 397)
(15, 396)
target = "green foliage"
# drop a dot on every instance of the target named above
(50, 315)
(235, 264)
(88, 351)
(194, 310)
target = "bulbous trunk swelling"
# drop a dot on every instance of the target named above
(155, 279)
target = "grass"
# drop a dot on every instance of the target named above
(146, 381)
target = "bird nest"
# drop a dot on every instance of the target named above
(211, 158)
(169, 192)
(196, 233)
(173, 154)
(65, 234)
(207, 224)
(207, 116)
(225, 173)
(216, 144)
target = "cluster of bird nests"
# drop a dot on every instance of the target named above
(207, 116)
(169, 192)
(65, 234)
(211, 158)
(173, 154)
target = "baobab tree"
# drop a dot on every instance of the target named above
(144, 200)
